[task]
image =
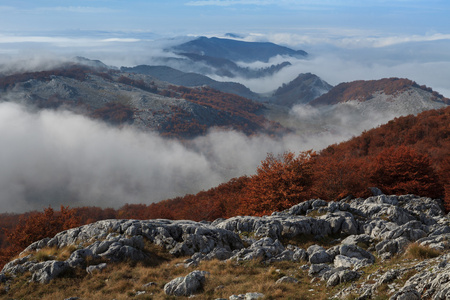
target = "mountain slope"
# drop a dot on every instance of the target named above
(350, 108)
(301, 90)
(236, 50)
(191, 79)
(338, 171)
(363, 91)
(228, 68)
(138, 100)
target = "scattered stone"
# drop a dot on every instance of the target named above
(342, 276)
(186, 286)
(286, 279)
(96, 268)
(150, 284)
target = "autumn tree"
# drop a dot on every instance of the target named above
(339, 176)
(37, 226)
(445, 179)
(402, 170)
(280, 182)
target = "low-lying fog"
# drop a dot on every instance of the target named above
(59, 158)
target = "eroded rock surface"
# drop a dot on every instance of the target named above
(359, 233)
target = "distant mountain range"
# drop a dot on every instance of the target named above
(177, 77)
(138, 100)
(236, 50)
(224, 57)
(186, 104)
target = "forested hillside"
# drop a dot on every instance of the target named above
(407, 155)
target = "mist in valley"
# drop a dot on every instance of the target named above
(55, 157)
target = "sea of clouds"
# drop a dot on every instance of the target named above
(57, 158)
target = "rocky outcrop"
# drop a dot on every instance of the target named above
(358, 233)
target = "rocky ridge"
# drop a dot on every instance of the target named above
(361, 233)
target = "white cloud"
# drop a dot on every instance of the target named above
(228, 2)
(121, 40)
(78, 9)
(341, 37)
(59, 158)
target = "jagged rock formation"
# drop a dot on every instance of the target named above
(365, 231)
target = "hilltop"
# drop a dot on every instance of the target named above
(235, 50)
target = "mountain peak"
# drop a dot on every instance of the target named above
(303, 89)
(364, 90)
(236, 50)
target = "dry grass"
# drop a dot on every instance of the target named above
(125, 280)
(416, 251)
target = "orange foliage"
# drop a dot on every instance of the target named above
(402, 170)
(279, 183)
(337, 177)
(152, 88)
(37, 226)
(444, 173)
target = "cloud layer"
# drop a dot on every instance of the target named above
(56, 157)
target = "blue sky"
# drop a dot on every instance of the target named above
(212, 16)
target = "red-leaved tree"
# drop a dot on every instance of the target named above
(280, 182)
(37, 226)
(402, 170)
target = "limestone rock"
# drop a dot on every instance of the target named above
(96, 268)
(286, 279)
(186, 286)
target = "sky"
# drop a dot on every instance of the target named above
(182, 17)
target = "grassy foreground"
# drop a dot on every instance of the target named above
(127, 280)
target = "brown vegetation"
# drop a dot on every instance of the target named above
(234, 112)
(363, 90)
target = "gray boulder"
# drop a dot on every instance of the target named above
(186, 286)
(263, 249)
(78, 257)
(387, 248)
(318, 255)
(317, 270)
(45, 271)
(96, 268)
(406, 294)
(342, 276)
(248, 296)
